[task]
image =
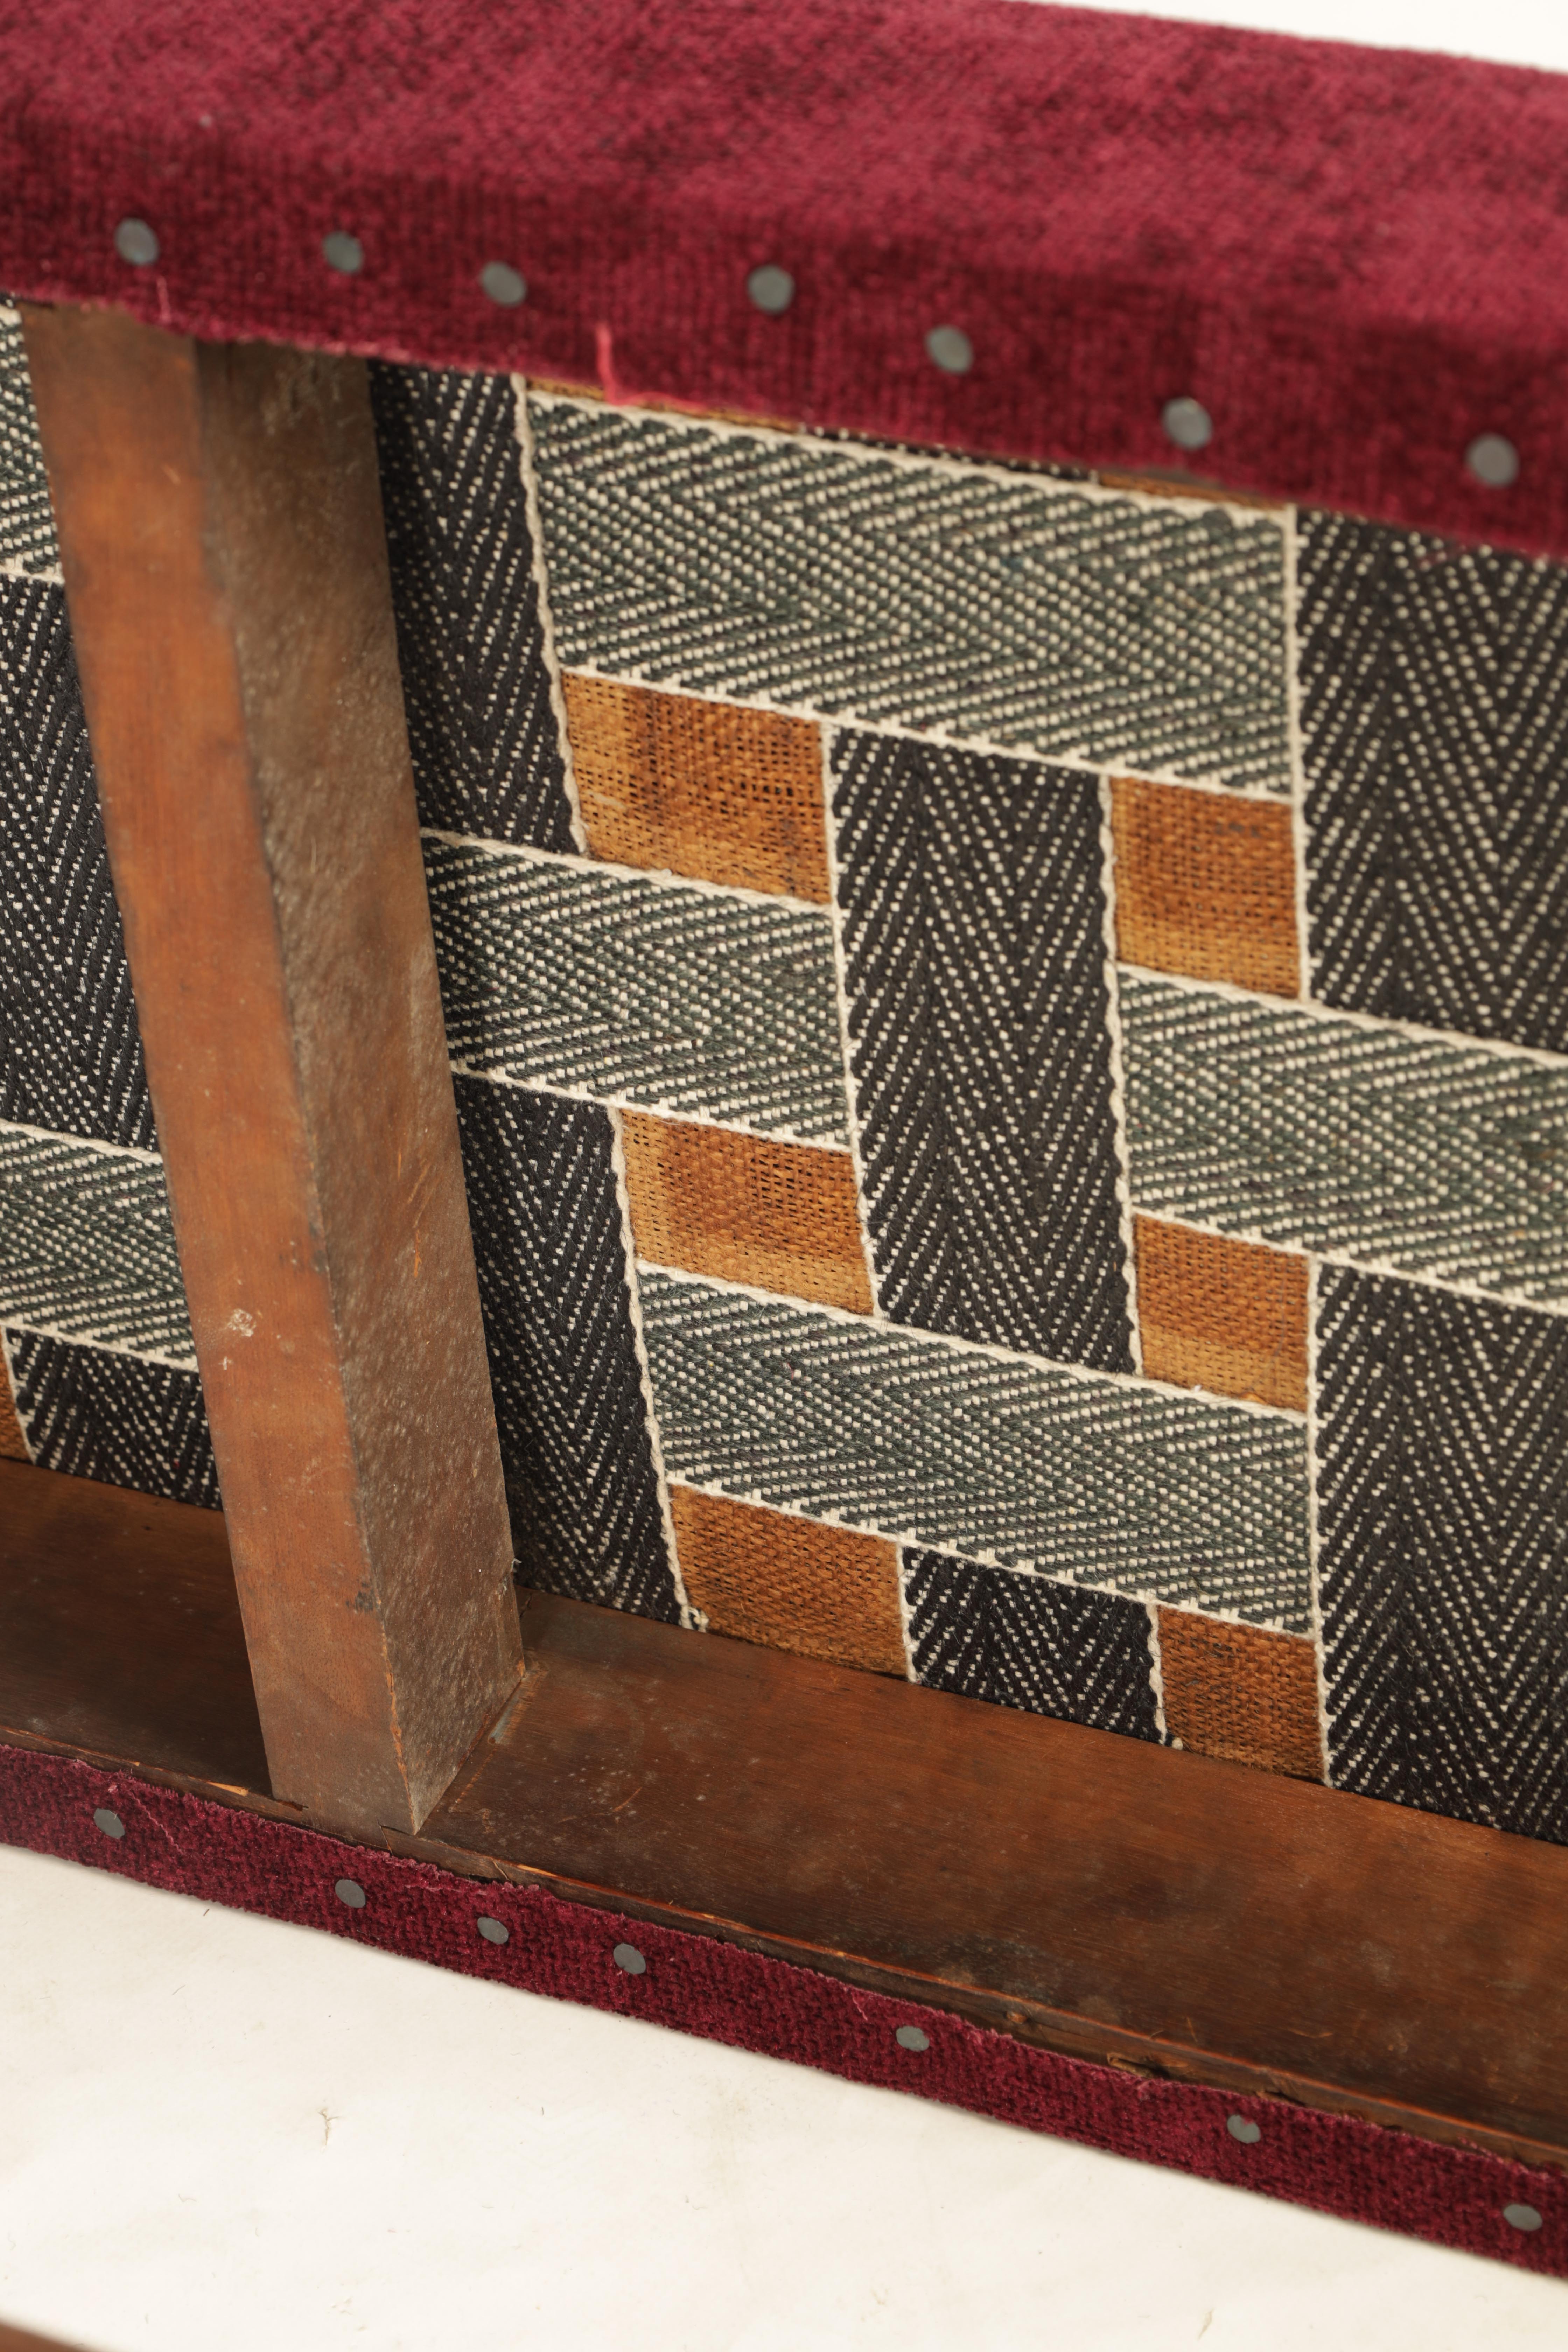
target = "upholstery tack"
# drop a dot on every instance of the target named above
(1493, 461)
(1187, 423)
(502, 283)
(949, 349)
(770, 288)
(137, 243)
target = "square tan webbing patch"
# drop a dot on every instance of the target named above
(12, 1446)
(668, 782)
(1241, 1694)
(780, 1216)
(1205, 885)
(793, 1584)
(1229, 1316)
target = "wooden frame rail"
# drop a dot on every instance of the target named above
(1186, 1918)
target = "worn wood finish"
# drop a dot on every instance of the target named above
(1121, 1900)
(120, 1629)
(225, 569)
(1088, 1892)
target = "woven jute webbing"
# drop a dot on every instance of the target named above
(12, 1445)
(1240, 1693)
(745, 1209)
(794, 1584)
(701, 788)
(1222, 1315)
(1205, 884)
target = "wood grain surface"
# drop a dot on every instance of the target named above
(225, 560)
(1113, 1898)
(1126, 1903)
(120, 1630)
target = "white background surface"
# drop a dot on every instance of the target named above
(222, 2135)
(218, 2132)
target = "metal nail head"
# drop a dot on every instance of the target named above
(910, 2037)
(494, 1931)
(109, 1823)
(949, 349)
(504, 284)
(1187, 423)
(349, 1891)
(770, 288)
(1242, 2128)
(1493, 461)
(627, 1958)
(343, 252)
(1522, 2217)
(136, 241)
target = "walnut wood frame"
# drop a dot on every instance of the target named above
(219, 519)
(229, 600)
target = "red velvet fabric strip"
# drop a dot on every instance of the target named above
(1453, 2195)
(1357, 261)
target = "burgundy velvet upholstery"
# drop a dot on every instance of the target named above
(1454, 2196)
(1357, 261)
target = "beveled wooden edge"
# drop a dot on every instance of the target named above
(526, 1808)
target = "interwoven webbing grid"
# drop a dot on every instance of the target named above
(1009, 1047)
